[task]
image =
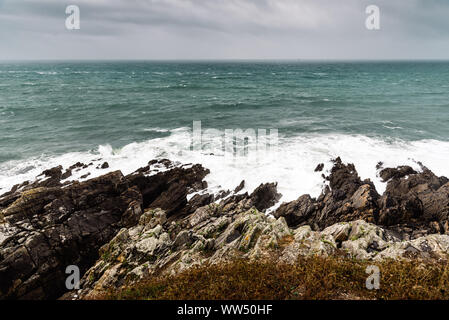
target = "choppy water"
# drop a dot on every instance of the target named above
(127, 113)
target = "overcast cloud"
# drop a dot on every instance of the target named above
(224, 29)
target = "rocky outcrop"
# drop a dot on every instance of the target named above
(417, 200)
(211, 236)
(47, 227)
(161, 220)
(346, 198)
(414, 203)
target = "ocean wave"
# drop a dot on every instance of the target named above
(291, 164)
(157, 129)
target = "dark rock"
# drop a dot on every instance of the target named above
(222, 194)
(85, 175)
(347, 198)
(67, 174)
(343, 180)
(55, 172)
(53, 176)
(414, 198)
(299, 211)
(77, 165)
(319, 167)
(105, 165)
(396, 173)
(265, 196)
(197, 201)
(50, 228)
(240, 187)
(168, 190)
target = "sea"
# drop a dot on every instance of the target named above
(127, 113)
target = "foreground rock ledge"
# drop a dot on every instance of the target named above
(119, 229)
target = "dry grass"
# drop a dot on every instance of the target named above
(309, 278)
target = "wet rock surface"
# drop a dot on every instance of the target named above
(160, 219)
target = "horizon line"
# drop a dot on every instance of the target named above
(231, 60)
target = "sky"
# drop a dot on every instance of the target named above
(224, 29)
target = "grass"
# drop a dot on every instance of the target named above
(309, 278)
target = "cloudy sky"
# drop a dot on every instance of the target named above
(224, 29)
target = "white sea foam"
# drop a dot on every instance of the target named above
(292, 166)
(156, 130)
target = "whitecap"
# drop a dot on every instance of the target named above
(291, 165)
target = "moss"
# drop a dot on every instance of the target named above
(214, 209)
(149, 235)
(107, 255)
(329, 243)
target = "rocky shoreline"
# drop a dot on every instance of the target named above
(160, 220)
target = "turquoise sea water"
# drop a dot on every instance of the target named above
(51, 109)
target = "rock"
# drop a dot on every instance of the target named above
(168, 190)
(347, 198)
(319, 167)
(67, 174)
(396, 173)
(416, 199)
(54, 173)
(52, 228)
(119, 229)
(45, 229)
(184, 238)
(211, 236)
(53, 177)
(77, 165)
(433, 247)
(240, 187)
(366, 240)
(105, 165)
(339, 232)
(265, 196)
(343, 180)
(197, 201)
(297, 212)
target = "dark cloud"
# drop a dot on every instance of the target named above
(223, 29)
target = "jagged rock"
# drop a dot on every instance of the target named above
(396, 173)
(416, 199)
(239, 187)
(169, 189)
(347, 198)
(77, 165)
(343, 180)
(214, 236)
(197, 201)
(67, 174)
(45, 229)
(143, 224)
(435, 247)
(299, 211)
(265, 196)
(209, 235)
